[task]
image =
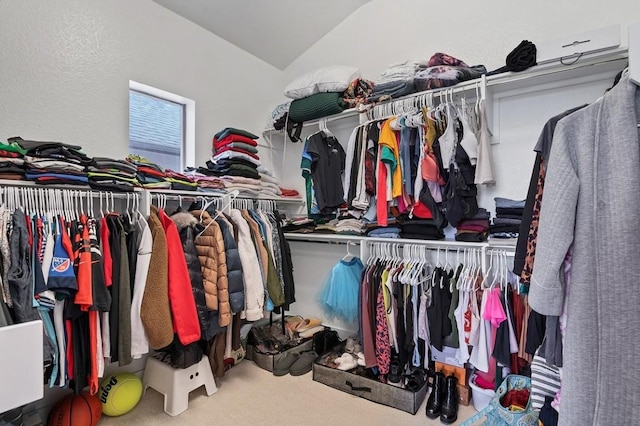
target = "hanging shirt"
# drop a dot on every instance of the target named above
(327, 165)
(139, 341)
(391, 156)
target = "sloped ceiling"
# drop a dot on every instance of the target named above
(276, 31)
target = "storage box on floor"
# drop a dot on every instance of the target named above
(268, 357)
(369, 388)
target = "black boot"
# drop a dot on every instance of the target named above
(449, 410)
(435, 398)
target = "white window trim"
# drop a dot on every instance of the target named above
(188, 153)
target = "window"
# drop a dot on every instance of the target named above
(161, 127)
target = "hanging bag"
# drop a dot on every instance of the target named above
(497, 415)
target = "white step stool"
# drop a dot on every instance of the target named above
(175, 384)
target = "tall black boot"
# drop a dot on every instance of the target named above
(434, 403)
(449, 410)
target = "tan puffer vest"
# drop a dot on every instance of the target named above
(210, 248)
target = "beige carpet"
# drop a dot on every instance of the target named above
(249, 395)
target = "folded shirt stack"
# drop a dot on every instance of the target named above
(204, 178)
(54, 162)
(384, 232)
(112, 175)
(180, 181)
(349, 226)
(11, 161)
(150, 175)
(421, 229)
(247, 187)
(270, 186)
(506, 224)
(301, 225)
(475, 229)
(235, 153)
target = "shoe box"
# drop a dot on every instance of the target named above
(268, 361)
(371, 389)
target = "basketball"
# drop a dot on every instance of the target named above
(120, 393)
(81, 409)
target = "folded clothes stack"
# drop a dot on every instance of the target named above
(206, 179)
(301, 225)
(11, 161)
(235, 153)
(180, 181)
(54, 162)
(150, 175)
(475, 229)
(506, 224)
(349, 226)
(112, 175)
(421, 229)
(384, 232)
(269, 186)
(246, 187)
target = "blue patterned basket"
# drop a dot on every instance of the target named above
(497, 415)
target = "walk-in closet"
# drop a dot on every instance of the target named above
(361, 212)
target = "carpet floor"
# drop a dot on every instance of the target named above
(249, 395)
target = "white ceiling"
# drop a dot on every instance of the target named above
(276, 31)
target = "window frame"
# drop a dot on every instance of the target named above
(188, 149)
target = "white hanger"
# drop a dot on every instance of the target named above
(233, 194)
(347, 257)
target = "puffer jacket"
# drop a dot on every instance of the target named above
(211, 252)
(234, 266)
(186, 229)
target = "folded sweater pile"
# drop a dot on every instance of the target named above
(235, 153)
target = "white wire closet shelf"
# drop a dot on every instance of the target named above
(178, 194)
(583, 66)
(359, 239)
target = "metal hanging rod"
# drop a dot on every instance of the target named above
(196, 195)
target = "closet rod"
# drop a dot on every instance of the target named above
(79, 191)
(81, 188)
(196, 195)
(327, 241)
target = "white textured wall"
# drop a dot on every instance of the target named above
(383, 32)
(65, 67)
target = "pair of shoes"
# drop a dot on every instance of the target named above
(283, 364)
(443, 400)
(346, 362)
(306, 324)
(303, 364)
(414, 381)
(360, 360)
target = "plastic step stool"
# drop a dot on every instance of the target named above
(176, 384)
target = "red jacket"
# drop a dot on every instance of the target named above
(183, 307)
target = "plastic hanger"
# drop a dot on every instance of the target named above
(233, 194)
(348, 257)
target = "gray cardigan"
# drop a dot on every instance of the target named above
(592, 200)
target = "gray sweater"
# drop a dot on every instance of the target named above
(592, 200)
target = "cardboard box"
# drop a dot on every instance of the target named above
(464, 395)
(459, 372)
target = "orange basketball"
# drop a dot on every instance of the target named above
(75, 410)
